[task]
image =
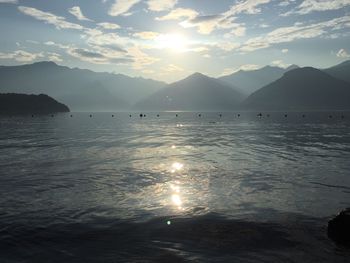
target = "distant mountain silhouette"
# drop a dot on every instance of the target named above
(78, 88)
(11, 103)
(196, 92)
(250, 81)
(302, 89)
(340, 71)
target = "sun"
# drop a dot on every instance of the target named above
(175, 42)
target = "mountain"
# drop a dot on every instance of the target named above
(302, 89)
(196, 92)
(341, 71)
(21, 103)
(250, 81)
(80, 89)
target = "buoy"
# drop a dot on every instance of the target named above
(342, 116)
(268, 115)
(303, 115)
(260, 115)
(112, 116)
(32, 116)
(141, 115)
(330, 116)
(130, 115)
(220, 115)
(239, 115)
(285, 115)
(199, 115)
(177, 115)
(52, 116)
(90, 115)
(158, 115)
(71, 116)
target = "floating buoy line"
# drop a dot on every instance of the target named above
(219, 115)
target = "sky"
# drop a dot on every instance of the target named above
(170, 39)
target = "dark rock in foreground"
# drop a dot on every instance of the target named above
(12, 103)
(339, 228)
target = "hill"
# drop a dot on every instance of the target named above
(341, 71)
(250, 81)
(11, 103)
(302, 89)
(196, 92)
(78, 88)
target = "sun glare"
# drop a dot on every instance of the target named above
(174, 42)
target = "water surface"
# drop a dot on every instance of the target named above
(188, 188)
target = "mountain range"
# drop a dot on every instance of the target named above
(252, 80)
(266, 88)
(82, 90)
(302, 89)
(196, 92)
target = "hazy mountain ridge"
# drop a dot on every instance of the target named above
(302, 89)
(196, 92)
(12, 103)
(76, 87)
(85, 90)
(250, 81)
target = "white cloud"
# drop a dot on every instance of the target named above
(342, 53)
(76, 11)
(246, 67)
(207, 24)
(98, 56)
(280, 64)
(161, 5)
(54, 57)
(309, 6)
(49, 18)
(147, 35)
(171, 68)
(21, 56)
(285, 50)
(8, 1)
(141, 59)
(292, 33)
(121, 7)
(179, 13)
(247, 7)
(109, 25)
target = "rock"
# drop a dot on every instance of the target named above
(339, 228)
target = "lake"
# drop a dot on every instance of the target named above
(200, 188)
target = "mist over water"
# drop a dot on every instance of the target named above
(203, 188)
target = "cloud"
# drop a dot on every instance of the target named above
(121, 7)
(179, 13)
(161, 5)
(106, 25)
(342, 53)
(309, 6)
(147, 35)
(295, 32)
(76, 11)
(280, 64)
(285, 50)
(207, 24)
(49, 18)
(21, 56)
(141, 59)
(246, 67)
(54, 57)
(51, 43)
(247, 7)
(97, 57)
(8, 1)
(171, 68)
